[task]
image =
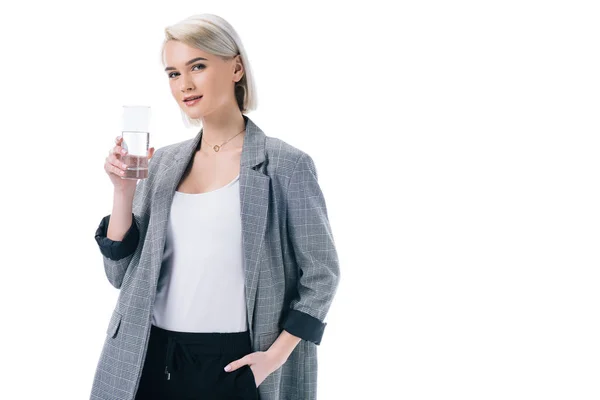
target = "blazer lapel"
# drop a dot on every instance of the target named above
(254, 199)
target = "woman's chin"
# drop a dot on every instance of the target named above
(193, 114)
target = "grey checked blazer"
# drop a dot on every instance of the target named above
(292, 268)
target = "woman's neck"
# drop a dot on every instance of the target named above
(218, 128)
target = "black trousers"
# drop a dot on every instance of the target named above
(188, 365)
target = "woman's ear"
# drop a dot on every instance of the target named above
(238, 69)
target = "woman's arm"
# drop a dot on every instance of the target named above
(118, 233)
(314, 249)
(117, 255)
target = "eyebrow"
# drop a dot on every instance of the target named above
(187, 63)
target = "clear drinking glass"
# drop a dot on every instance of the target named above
(136, 140)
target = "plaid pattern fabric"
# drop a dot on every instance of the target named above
(290, 262)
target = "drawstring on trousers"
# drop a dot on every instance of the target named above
(218, 343)
(172, 344)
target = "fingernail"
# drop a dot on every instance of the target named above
(228, 368)
(123, 151)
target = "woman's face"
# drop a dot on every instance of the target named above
(192, 72)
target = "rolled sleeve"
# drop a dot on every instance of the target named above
(304, 326)
(113, 249)
(314, 250)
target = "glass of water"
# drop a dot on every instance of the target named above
(136, 140)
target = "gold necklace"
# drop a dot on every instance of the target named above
(216, 147)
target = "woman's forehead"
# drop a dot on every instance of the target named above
(180, 53)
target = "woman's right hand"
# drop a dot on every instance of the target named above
(115, 167)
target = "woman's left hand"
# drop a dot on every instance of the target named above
(262, 364)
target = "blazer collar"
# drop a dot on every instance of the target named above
(253, 149)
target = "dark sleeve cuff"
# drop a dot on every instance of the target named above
(116, 250)
(304, 326)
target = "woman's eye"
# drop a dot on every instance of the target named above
(197, 65)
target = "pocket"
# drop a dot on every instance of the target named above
(273, 380)
(251, 378)
(265, 340)
(245, 384)
(113, 325)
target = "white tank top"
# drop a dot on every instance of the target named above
(201, 282)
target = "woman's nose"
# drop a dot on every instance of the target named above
(186, 85)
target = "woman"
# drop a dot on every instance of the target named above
(224, 255)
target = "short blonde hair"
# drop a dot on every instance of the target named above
(212, 34)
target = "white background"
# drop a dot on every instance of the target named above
(456, 145)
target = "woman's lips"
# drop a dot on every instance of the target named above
(192, 102)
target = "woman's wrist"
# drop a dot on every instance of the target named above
(281, 349)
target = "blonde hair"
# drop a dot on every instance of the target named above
(212, 34)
